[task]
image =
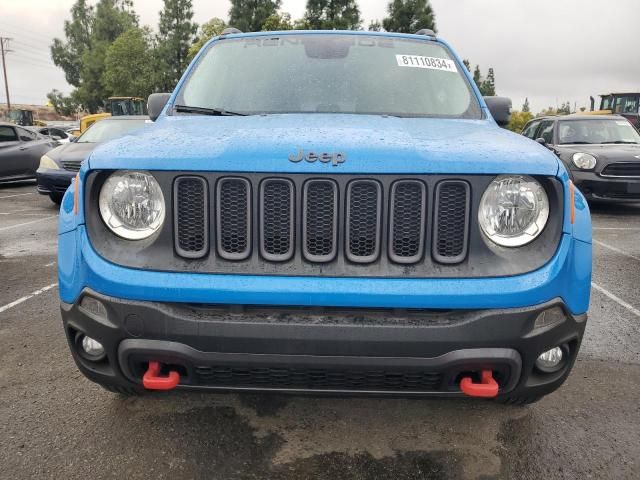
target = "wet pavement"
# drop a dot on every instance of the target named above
(56, 424)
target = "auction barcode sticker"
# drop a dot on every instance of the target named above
(432, 63)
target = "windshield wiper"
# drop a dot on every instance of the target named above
(576, 143)
(206, 111)
(621, 142)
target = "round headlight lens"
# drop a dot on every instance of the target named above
(132, 205)
(513, 210)
(584, 161)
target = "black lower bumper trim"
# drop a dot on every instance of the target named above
(322, 374)
(412, 352)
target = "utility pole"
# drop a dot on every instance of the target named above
(4, 42)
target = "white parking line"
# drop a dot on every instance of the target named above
(24, 214)
(50, 264)
(616, 299)
(614, 249)
(27, 297)
(16, 195)
(2, 229)
(632, 229)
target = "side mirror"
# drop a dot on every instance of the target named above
(541, 141)
(500, 108)
(156, 103)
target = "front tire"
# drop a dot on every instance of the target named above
(519, 400)
(121, 390)
(56, 198)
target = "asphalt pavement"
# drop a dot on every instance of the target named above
(56, 424)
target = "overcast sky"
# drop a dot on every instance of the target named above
(550, 51)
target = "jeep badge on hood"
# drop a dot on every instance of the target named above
(334, 158)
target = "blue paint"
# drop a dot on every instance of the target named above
(373, 145)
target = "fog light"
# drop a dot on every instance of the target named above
(92, 348)
(551, 360)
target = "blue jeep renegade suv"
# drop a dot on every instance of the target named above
(326, 212)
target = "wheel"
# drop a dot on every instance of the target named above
(121, 390)
(518, 400)
(56, 198)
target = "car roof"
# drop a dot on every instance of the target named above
(578, 116)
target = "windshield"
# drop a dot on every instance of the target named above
(597, 131)
(333, 73)
(106, 130)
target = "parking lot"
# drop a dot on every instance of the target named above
(56, 424)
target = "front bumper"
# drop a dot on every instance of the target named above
(54, 181)
(398, 352)
(596, 187)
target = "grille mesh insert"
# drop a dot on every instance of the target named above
(233, 218)
(451, 221)
(363, 220)
(277, 219)
(320, 220)
(191, 216)
(408, 210)
(318, 378)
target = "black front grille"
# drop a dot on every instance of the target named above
(72, 165)
(320, 220)
(364, 207)
(191, 216)
(451, 226)
(407, 221)
(361, 218)
(233, 208)
(622, 169)
(277, 219)
(318, 378)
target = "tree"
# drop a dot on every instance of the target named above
(278, 22)
(68, 55)
(176, 34)
(88, 35)
(375, 26)
(525, 106)
(333, 15)
(488, 86)
(129, 68)
(250, 15)
(207, 31)
(409, 16)
(519, 120)
(63, 105)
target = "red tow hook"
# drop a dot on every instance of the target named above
(487, 388)
(153, 381)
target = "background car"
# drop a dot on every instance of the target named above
(60, 165)
(55, 133)
(20, 151)
(601, 153)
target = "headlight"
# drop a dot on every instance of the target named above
(48, 163)
(132, 205)
(514, 210)
(584, 161)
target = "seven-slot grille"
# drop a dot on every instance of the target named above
(329, 221)
(622, 169)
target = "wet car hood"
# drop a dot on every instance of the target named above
(606, 154)
(369, 144)
(71, 152)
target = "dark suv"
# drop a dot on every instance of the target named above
(601, 153)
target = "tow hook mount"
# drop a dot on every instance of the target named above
(152, 380)
(487, 388)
